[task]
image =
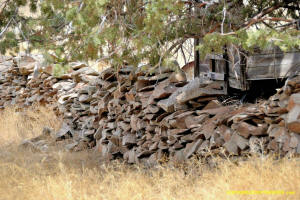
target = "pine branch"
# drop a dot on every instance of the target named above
(260, 15)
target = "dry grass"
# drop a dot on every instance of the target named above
(16, 126)
(69, 176)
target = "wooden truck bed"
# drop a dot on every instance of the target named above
(272, 66)
(254, 67)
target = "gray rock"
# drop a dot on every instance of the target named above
(128, 140)
(71, 146)
(191, 148)
(64, 132)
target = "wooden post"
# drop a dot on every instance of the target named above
(243, 70)
(213, 65)
(197, 59)
(226, 71)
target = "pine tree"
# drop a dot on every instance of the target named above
(131, 31)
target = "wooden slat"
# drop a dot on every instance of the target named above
(272, 66)
(235, 83)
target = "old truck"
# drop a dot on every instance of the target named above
(249, 72)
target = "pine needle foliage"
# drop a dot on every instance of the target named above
(132, 31)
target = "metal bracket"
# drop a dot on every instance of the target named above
(215, 76)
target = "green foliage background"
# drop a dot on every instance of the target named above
(131, 31)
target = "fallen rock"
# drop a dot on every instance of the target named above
(293, 119)
(245, 129)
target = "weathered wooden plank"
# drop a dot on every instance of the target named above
(235, 83)
(272, 65)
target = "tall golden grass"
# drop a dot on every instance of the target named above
(16, 125)
(71, 176)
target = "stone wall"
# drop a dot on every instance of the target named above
(143, 117)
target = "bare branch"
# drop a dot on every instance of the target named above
(224, 17)
(4, 4)
(6, 27)
(183, 54)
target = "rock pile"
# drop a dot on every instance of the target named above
(144, 117)
(20, 85)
